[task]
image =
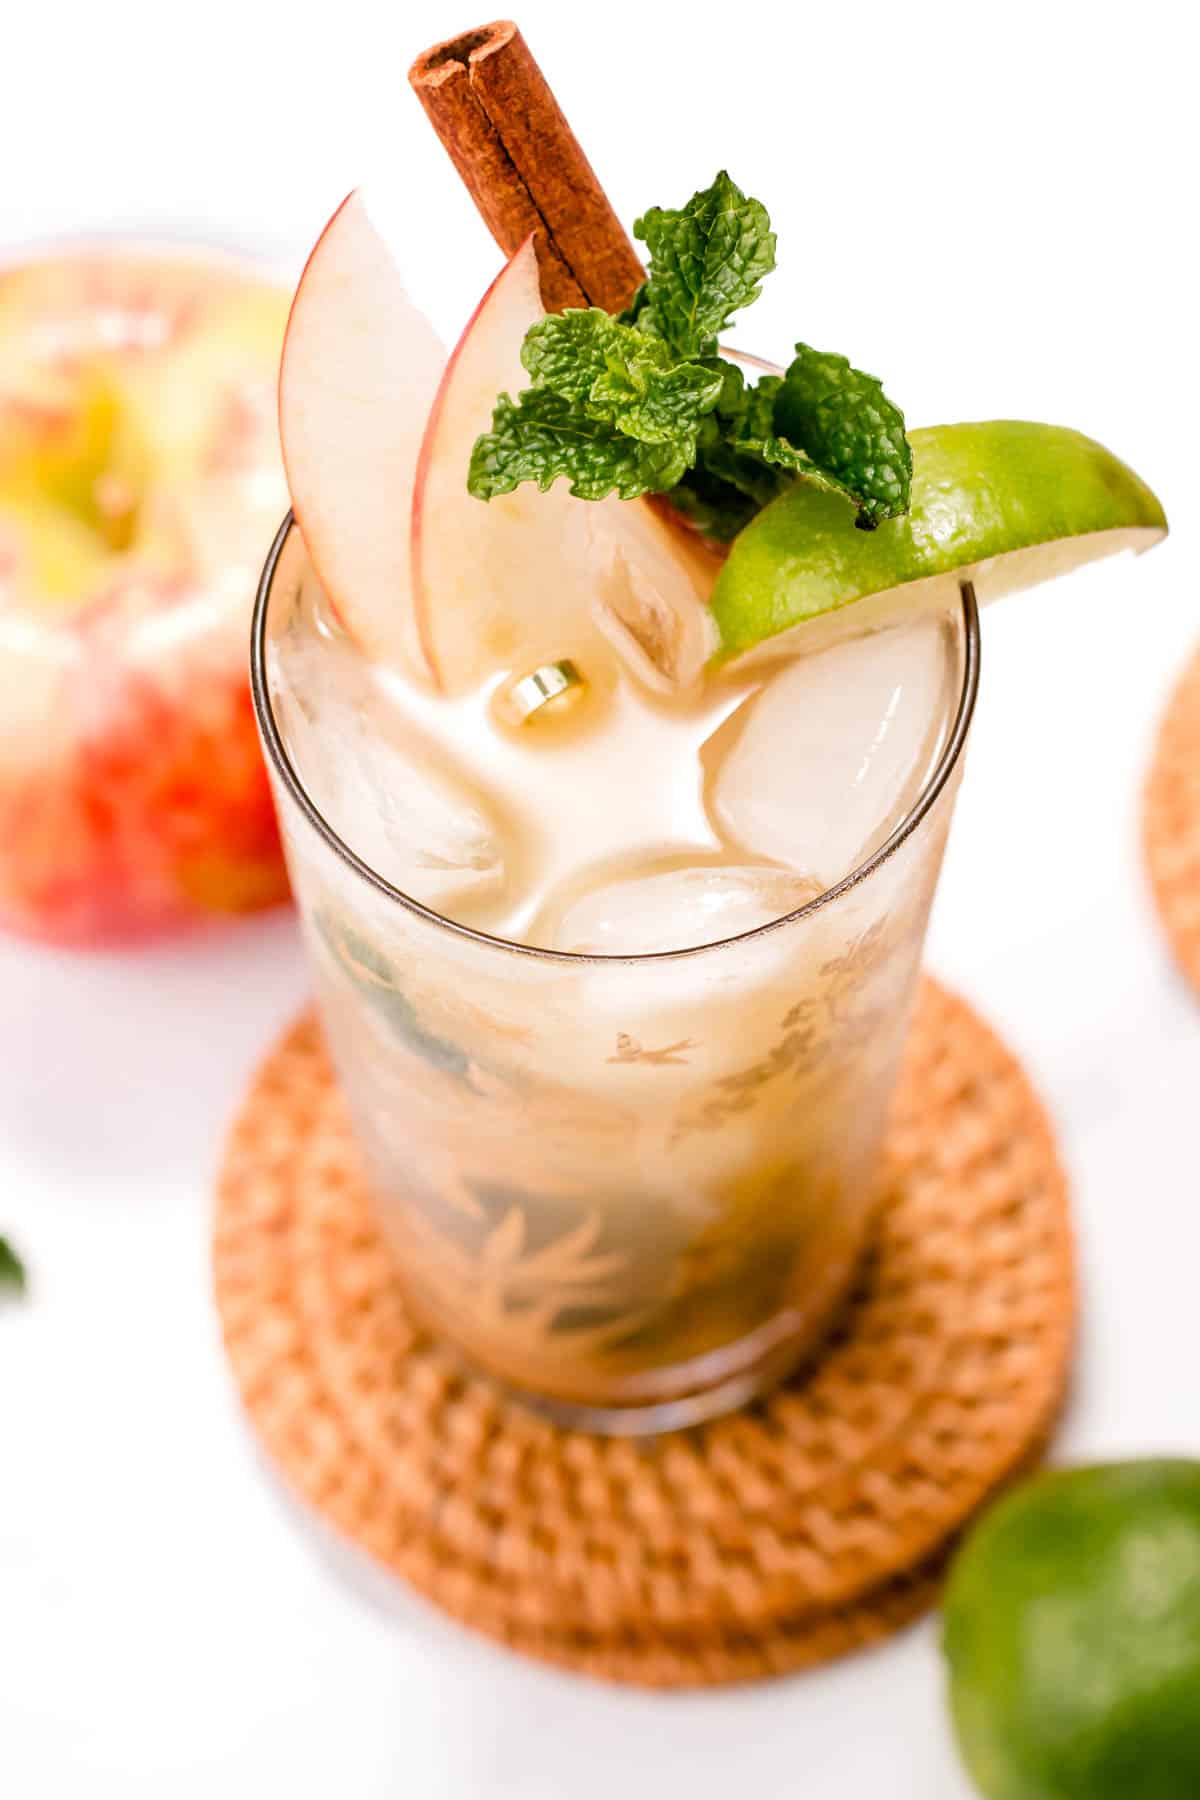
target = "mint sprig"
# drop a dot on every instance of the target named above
(644, 403)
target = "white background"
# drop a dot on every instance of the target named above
(994, 207)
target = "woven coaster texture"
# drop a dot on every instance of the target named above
(811, 1523)
(1171, 821)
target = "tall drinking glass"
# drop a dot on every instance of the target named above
(634, 1189)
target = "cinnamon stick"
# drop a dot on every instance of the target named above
(492, 108)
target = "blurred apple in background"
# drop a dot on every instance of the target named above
(140, 486)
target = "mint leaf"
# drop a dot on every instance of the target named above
(728, 456)
(755, 408)
(568, 351)
(541, 437)
(617, 373)
(12, 1269)
(636, 312)
(741, 465)
(748, 452)
(757, 458)
(713, 505)
(707, 260)
(844, 422)
(660, 406)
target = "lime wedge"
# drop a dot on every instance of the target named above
(1006, 503)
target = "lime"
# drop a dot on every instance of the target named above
(1072, 1634)
(1007, 503)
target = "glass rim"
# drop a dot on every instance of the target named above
(289, 776)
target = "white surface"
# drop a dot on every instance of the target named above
(994, 208)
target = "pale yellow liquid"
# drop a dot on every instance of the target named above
(603, 784)
(600, 781)
(607, 785)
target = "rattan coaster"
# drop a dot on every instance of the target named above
(781, 1536)
(1171, 821)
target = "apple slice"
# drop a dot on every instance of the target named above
(530, 577)
(360, 368)
(495, 586)
(651, 582)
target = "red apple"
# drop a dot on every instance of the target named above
(139, 481)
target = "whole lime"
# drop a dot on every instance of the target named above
(1072, 1634)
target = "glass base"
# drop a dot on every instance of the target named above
(663, 1415)
(712, 1387)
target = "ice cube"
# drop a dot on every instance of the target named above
(390, 795)
(818, 767)
(672, 909)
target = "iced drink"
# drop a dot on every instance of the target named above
(615, 689)
(620, 1169)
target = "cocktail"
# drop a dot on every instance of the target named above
(615, 691)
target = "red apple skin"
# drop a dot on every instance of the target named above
(155, 814)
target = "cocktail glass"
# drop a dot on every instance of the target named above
(632, 1189)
